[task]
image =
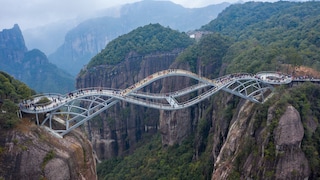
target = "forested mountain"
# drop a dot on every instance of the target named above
(143, 40)
(224, 137)
(90, 37)
(269, 34)
(31, 67)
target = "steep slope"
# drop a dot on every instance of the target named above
(238, 140)
(28, 151)
(276, 33)
(276, 140)
(231, 138)
(124, 62)
(31, 67)
(91, 36)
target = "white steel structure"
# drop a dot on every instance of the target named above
(98, 99)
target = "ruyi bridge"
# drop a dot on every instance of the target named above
(77, 107)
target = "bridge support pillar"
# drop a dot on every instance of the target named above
(37, 118)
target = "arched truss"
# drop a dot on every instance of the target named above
(70, 110)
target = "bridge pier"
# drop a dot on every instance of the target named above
(37, 118)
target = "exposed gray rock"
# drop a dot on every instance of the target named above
(33, 153)
(174, 126)
(288, 136)
(124, 124)
(290, 129)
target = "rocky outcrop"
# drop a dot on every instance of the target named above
(231, 146)
(30, 152)
(288, 134)
(12, 46)
(255, 152)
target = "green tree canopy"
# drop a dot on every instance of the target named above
(143, 40)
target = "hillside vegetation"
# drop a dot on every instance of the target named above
(270, 34)
(43, 76)
(11, 91)
(143, 40)
(88, 38)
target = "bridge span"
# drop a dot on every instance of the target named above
(77, 107)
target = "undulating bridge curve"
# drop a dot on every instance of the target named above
(77, 107)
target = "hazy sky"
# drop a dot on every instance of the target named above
(32, 13)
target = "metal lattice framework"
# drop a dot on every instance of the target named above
(75, 108)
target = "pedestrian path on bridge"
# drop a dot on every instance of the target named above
(98, 99)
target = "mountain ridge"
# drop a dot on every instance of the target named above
(91, 36)
(31, 67)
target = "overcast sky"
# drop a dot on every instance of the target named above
(33, 13)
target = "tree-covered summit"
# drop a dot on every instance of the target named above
(270, 34)
(252, 19)
(143, 40)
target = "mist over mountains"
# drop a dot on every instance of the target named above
(49, 37)
(31, 66)
(55, 72)
(91, 36)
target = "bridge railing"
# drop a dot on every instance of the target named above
(217, 82)
(33, 102)
(199, 97)
(175, 93)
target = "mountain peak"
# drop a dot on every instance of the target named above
(12, 39)
(16, 26)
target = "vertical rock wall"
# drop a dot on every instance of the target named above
(116, 131)
(33, 153)
(255, 151)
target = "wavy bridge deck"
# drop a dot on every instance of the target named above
(98, 99)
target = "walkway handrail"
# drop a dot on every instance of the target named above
(217, 82)
(244, 85)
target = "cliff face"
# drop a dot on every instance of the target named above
(117, 131)
(12, 46)
(245, 144)
(255, 150)
(176, 125)
(30, 152)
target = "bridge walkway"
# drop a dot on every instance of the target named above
(249, 86)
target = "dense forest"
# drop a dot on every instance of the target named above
(269, 34)
(11, 92)
(248, 37)
(143, 40)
